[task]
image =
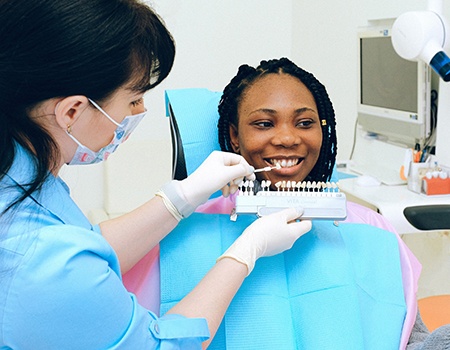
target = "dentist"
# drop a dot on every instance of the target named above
(72, 78)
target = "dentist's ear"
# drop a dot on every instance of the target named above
(69, 109)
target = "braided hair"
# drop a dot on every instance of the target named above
(234, 93)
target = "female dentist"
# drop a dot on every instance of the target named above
(72, 78)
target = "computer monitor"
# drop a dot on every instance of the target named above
(394, 94)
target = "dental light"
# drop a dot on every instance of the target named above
(424, 35)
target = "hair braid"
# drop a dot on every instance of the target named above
(228, 105)
(247, 76)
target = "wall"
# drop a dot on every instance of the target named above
(214, 37)
(324, 42)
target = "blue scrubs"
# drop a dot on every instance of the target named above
(60, 282)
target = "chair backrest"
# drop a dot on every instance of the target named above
(193, 122)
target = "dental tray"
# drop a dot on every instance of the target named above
(321, 200)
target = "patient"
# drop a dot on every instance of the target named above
(277, 113)
(280, 114)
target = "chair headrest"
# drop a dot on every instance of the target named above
(194, 116)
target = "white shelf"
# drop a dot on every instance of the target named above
(390, 201)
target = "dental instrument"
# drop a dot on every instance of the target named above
(268, 168)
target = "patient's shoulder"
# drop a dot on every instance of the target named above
(357, 213)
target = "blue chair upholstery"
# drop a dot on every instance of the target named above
(194, 129)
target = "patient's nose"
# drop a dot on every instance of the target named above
(287, 137)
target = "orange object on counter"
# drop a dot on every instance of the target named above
(435, 311)
(436, 186)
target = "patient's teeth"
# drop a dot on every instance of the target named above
(284, 163)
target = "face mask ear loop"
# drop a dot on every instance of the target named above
(104, 113)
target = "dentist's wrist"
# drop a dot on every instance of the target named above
(173, 198)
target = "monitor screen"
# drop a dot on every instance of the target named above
(394, 93)
(387, 80)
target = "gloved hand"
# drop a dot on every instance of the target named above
(267, 236)
(220, 171)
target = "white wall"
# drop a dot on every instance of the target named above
(325, 43)
(214, 37)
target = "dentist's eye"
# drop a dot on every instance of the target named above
(137, 102)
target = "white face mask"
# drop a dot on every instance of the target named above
(84, 155)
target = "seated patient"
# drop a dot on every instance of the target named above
(274, 114)
(277, 113)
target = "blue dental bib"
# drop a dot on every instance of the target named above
(339, 287)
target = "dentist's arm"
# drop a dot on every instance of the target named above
(134, 234)
(267, 236)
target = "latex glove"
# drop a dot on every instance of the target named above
(267, 236)
(220, 171)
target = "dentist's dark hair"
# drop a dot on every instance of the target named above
(234, 93)
(51, 49)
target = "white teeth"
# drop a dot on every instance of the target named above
(284, 163)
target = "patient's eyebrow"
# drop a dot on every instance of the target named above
(298, 111)
(305, 109)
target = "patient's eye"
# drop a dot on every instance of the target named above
(263, 124)
(306, 123)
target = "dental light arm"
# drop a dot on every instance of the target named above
(423, 35)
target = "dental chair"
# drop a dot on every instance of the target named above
(193, 117)
(194, 133)
(435, 310)
(428, 217)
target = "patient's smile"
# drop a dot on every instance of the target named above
(287, 169)
(284, 163)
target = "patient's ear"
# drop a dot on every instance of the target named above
(234, 139)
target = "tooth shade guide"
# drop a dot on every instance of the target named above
(319, 200)
(247, 188)
(251, 186)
